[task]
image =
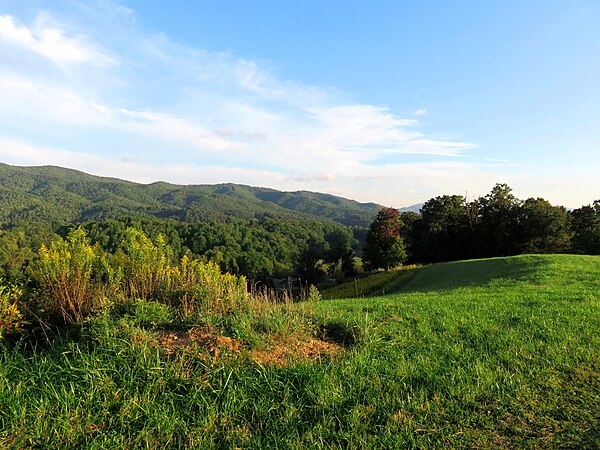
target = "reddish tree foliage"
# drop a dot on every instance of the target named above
(385, 246)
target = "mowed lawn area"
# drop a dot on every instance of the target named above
(496, 353)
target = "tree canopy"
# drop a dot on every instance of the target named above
(384, 247)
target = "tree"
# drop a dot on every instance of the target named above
(309, 265)
(497, 219)
(586, 226)
(340, 255)
(444, 230)
(541, 227)
(384, 247)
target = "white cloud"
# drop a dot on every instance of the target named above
(50, 42)
(181, 114)
(21, 98)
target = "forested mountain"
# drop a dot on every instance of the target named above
(265, 234)
(258, 232)
(58, 195)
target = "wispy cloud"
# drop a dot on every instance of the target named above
(50, 42)
(158, 109)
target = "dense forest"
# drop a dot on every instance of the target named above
(451, 228)
(261, 233)
(54, 195)
(267, 235)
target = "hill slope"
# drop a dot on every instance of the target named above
(30, 194)
(501, 353)
(498, 353)
(472, 273)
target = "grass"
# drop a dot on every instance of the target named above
(372, 285)
(500, 353)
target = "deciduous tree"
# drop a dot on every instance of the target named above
(384, 247)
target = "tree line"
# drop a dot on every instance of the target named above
(450, 228)
(261, 250)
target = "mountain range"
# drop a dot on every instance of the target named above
(59, 195)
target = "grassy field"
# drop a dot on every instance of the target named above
(498, 353)
(378, 283)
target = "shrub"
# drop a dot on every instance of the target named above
(144, 265)
(76, 278)
(197, 287)
(11, 318)
(69, 274)
(147, 314)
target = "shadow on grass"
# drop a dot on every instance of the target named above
(340, 333)
(585, 440)
(439, 277)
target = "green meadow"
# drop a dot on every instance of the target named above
(495, 353)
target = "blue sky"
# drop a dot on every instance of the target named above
(387, 101)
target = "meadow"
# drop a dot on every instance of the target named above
(494, 353)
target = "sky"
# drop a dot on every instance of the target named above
(393, 102)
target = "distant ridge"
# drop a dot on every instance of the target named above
(412, 208)
(59, 195)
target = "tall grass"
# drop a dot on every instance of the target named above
(499, 353)
(76, 280)
(69, 276)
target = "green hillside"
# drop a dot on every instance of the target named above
(498, 353)
(58, 195)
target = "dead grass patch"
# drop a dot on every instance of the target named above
(280, 350)
(284, 351)
(205, 338)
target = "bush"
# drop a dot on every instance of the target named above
(198, 287)
(145, 266)
(11, 318)
(69, 273)
(151, 315)
(76, 279)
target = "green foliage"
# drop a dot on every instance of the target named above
(444, 230)
(77, 279)
(11, 317)
(309, 264)
(200, 288)
(340, 254)
(69, 273)
(542, 228)
(586, 228)
(497, 213)
(15, 253)
(384, 247)
(450, 228)
(507, 359)
(261, 250)
(144, 264)
(313, 294)
(149, 314)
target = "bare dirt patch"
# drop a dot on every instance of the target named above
(286, 351)
(207, 339)
(280, 351)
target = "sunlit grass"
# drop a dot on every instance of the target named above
(501, 353)
(378, 283)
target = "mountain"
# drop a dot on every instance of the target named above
(57, 195)
(412, 208)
